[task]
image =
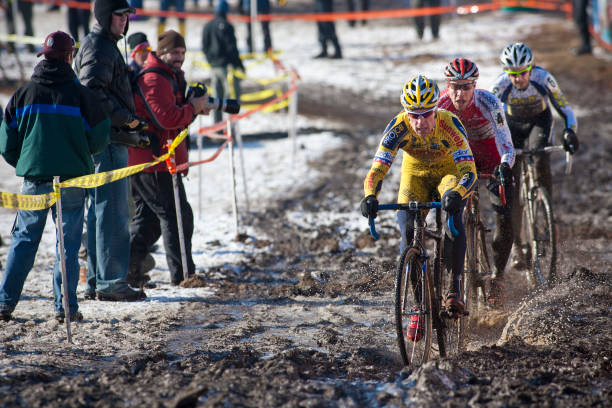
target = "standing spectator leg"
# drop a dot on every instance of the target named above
(350, 5)
(74, 22)
(220, 87)
(419, 22)
(27, 234)
(435, 20)
(73, 208)
(581, 18)
(265, 27)
(110, 237)
(25, 8)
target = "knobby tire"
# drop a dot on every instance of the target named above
(410, 282)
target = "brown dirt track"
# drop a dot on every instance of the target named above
(307, 321)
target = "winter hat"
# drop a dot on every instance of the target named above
(103, 9)
(222, 7)
(169, 40)
(57, 45)
(134, 40)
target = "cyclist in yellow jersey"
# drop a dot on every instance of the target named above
(437, 162)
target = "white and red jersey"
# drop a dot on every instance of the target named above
(487, 131)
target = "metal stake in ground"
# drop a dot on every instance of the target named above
(60, 233)
(233, 178)
(179, 216)
(236, 130)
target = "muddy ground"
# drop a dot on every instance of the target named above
(307, 321)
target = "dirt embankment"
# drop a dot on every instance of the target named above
(307, 321)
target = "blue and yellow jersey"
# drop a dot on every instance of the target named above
(444, 154)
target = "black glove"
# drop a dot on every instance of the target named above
(135, 124)
(369, 206)
(451, 202)
(570, 141)
(503, 170)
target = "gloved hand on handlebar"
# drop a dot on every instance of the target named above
(570, 141)
(503, 170)
(451, 202)
(369, 206)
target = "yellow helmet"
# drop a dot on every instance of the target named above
(420, 93)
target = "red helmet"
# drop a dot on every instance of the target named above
(461, 68)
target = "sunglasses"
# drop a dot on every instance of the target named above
(463, 87)
(518, 73)
(142, 50)
(121, 14)
(416, 115)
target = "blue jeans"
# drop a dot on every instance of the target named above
(108, 218)
(26, 238)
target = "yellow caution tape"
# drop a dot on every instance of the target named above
(256, 96)
(277, 106)
(27, 202)
(43, 201)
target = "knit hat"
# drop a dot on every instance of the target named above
(134, 40)
(57, 45)
(168, 40)
(222, 7)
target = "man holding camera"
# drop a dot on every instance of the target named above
(160, 98)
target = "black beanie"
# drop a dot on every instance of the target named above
(134, 40)
(169, 40)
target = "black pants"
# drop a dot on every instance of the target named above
(155, 215)
(25, 8)
(530, 133)
(581, 18)
(265, 28)
(434, 20)
(504, 232)
(365, 6)
(78, 18)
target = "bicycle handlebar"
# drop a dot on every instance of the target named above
(502, 185)
(550, 149)
(411, 206)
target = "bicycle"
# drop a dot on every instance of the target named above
(538, 232)
(419, 305)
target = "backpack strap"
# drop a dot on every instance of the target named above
(165, 74)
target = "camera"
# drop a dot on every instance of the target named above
(198, 89)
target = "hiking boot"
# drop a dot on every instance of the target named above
(74, 317)
(496, 293)
(415, 330)
(454, 303)
(90, 295)
(125, 294)
(5, 315)
(137, 273)
(322, 54)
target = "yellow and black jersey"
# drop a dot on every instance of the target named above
(441, 160)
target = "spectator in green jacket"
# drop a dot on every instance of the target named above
(52, 125)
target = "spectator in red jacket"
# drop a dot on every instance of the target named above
(160, 99)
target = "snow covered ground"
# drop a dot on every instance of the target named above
(378, 59)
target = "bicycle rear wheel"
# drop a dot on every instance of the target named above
(471, 265)
(413, 308)
(543, 243)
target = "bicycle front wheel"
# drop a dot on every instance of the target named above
(413, 307)
(543, 244)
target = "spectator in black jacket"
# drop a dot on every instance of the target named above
(581, 18)
(100, 66)
(52, 128)
(219, 45)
